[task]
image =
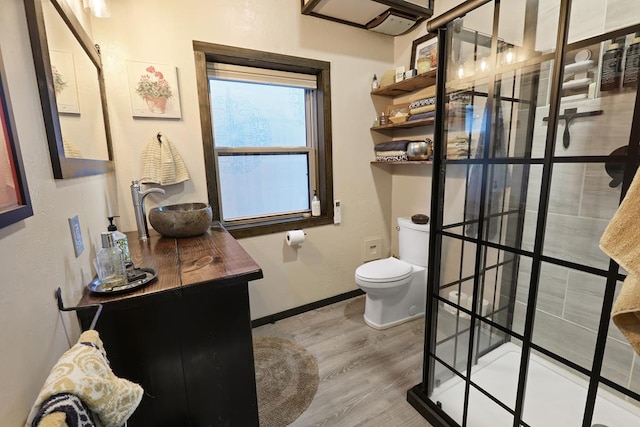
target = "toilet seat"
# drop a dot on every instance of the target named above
(384, 271)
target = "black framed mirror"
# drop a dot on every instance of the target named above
(70, 80)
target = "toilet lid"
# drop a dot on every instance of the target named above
(384, 270)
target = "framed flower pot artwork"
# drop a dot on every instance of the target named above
(153, 90)
(64, 82)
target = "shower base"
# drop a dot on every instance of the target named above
(554, 396)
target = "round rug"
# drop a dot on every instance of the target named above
(286, 380)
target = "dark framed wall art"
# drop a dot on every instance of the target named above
(424, 53)
(15, 203)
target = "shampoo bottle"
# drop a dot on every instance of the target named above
(110, 263)
(315, 204)
(632, 63)
(612, 66)
(120, 239)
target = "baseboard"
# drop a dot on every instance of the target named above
(428, 409)
(304, 308)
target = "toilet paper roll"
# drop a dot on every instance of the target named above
(295, 237)
(453, 298)
(485, 307)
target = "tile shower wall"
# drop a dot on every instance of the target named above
(581, 204)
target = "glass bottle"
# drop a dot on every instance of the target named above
(120, 239)
(110, 263)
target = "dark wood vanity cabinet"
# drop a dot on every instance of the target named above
(186, 338)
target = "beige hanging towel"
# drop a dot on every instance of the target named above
(161, 162)
(621, 241)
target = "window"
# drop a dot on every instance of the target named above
(266, 137)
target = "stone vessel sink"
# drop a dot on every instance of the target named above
(181, 220)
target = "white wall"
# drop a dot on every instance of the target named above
(145, 30)
(37, 253)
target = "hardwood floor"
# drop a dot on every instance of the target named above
(364, 373)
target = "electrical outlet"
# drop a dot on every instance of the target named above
(337, 212)
(76, 235)
(372, 249)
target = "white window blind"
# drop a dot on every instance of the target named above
(261, 75)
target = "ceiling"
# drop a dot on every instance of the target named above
(392, 17)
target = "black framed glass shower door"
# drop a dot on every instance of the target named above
(535, 148)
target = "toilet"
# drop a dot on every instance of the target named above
(396, 288)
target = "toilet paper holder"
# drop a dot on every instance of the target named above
(295, 237)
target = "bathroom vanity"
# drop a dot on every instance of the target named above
(186, 337)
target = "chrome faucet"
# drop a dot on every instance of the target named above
(138, 197)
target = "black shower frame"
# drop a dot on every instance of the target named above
(418, 396)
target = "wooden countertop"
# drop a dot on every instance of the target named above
(215, 258)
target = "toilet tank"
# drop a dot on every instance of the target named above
(413, 242)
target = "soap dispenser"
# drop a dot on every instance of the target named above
(120, 239)
(612, 66)
(110, 263)
(632, 63)
(315, 204)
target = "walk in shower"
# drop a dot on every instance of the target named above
(537, 141)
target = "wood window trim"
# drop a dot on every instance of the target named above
(210, 52)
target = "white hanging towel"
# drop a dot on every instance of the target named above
(161, 162)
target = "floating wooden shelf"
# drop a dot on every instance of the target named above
(406, 162)
(408, 85)
(406, 125)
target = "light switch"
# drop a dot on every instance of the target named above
(76, 235)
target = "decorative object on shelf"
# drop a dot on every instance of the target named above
(399, 74)
(420, 150)
(388, 78)
(410, 73)
(424, 53)
(397, 110)
(15, 203)
(374, 83)
(568, 116)
(393, 151)
(398, 119)
(153, 90)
